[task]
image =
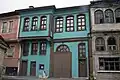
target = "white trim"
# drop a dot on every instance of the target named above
(103, 71)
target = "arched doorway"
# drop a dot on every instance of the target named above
(62, 62)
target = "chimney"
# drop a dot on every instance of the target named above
(31, 7)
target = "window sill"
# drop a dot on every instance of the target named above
(103, 71)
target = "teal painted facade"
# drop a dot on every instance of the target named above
(73, 46)
(40, 59)
(65, 37)
(49, 33)
(37, 35)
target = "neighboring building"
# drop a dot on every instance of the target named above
(9, 25)
(3, 49)
(35, 35)
(70, 42)
(105, 29)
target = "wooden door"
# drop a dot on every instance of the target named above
(62, 64)
(23, 68)
(82, 68)
(33, 68)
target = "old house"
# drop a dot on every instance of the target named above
(70, 42)
(9, 25)
(105, 33)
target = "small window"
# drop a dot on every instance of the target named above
(63, 48)
(59, 24)
(109, 16)
(43, 48)
(43, 25)
(100, 44)
(11, 51)
(34, 23)
(34, 48)
(117, 15)
(80, 22)
(26, 24)
(25, 48)
(111, 43)
(10, 26)
(109, 63)
(99, 18)
(70, 24)
(4, 27)
(81, 50)
(41, 66)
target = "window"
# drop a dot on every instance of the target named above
(11, 51)
(70, 24)
(10, 26)
(4, 27)
(63, 48)
(82, 50)
(26, 24)
(41, 66)
(34, 48)
(117, 15)
(59, 24)
(111, 43)
(109, 16)
(43, 48)
(109, 63)
(100, 44)
(99, 18)
(25, 48)
(43, 23)
(34, 23)
(80, 22)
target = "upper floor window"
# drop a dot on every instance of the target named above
(43, 25)
(59, 24)
(100, 44)
(34, 23)
(81, 50)
(70, 23)
(109, 63)
(111, 43)
(10, 26)
(99, 18)
(43, 48)
(26, 24)
(4, 27)
(117, 15)
(25, 48)
(63, 48)
(80, 22)
(34, 48)
(109, 16)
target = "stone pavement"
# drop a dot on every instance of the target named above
(36, 78)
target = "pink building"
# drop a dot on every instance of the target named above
(9, 28)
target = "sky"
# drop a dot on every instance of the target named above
(11, 5)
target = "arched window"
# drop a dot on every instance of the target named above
(81, 22)
(59, 24)
(26, 24)
(34, 23)
(109, 16)
(99, 18)
(117, 15)
(100, 44)
(63, 48)
(43, 24)
(70, 23)
(111, 43)
(81, 50)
